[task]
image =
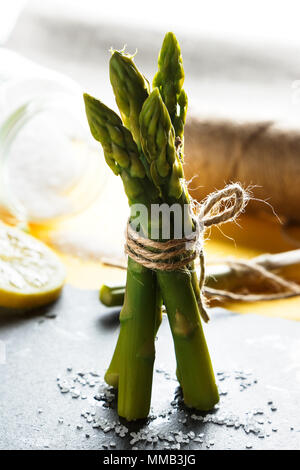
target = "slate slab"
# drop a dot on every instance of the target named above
(257, 361)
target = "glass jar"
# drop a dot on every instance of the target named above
(50, 166)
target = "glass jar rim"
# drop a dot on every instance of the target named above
(9, 129)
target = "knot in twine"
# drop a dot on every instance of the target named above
(176, 254)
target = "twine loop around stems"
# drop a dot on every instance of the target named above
(176, 254)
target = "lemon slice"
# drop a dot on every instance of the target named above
(31, 275)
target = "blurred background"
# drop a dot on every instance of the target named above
(239, 57)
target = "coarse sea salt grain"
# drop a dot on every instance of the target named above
(250, 422)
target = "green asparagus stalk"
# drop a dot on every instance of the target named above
(112, 296)
(131, 368)
(130, 89)
(137, 352)
(193, 361)
(169, 80)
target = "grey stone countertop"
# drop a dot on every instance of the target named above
(69, 344)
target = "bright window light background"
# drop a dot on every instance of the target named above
(241, 57)
(251, 20)
(234, 66)
(9, 12)
(255, 19)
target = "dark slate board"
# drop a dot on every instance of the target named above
(81, 334)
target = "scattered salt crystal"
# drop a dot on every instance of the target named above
(94, 374)
(173, 439)
(75, 393)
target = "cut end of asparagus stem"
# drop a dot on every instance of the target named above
(112, 296)
(112, 379)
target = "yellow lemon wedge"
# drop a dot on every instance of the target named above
(31, 275)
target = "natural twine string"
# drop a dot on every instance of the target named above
(165, 257)
(290, 289)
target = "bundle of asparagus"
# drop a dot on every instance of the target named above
(145, 150)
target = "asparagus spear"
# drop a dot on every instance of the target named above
(193, 361)
(131, 368)
(130, 89)
(169, 80)
(112, 296)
